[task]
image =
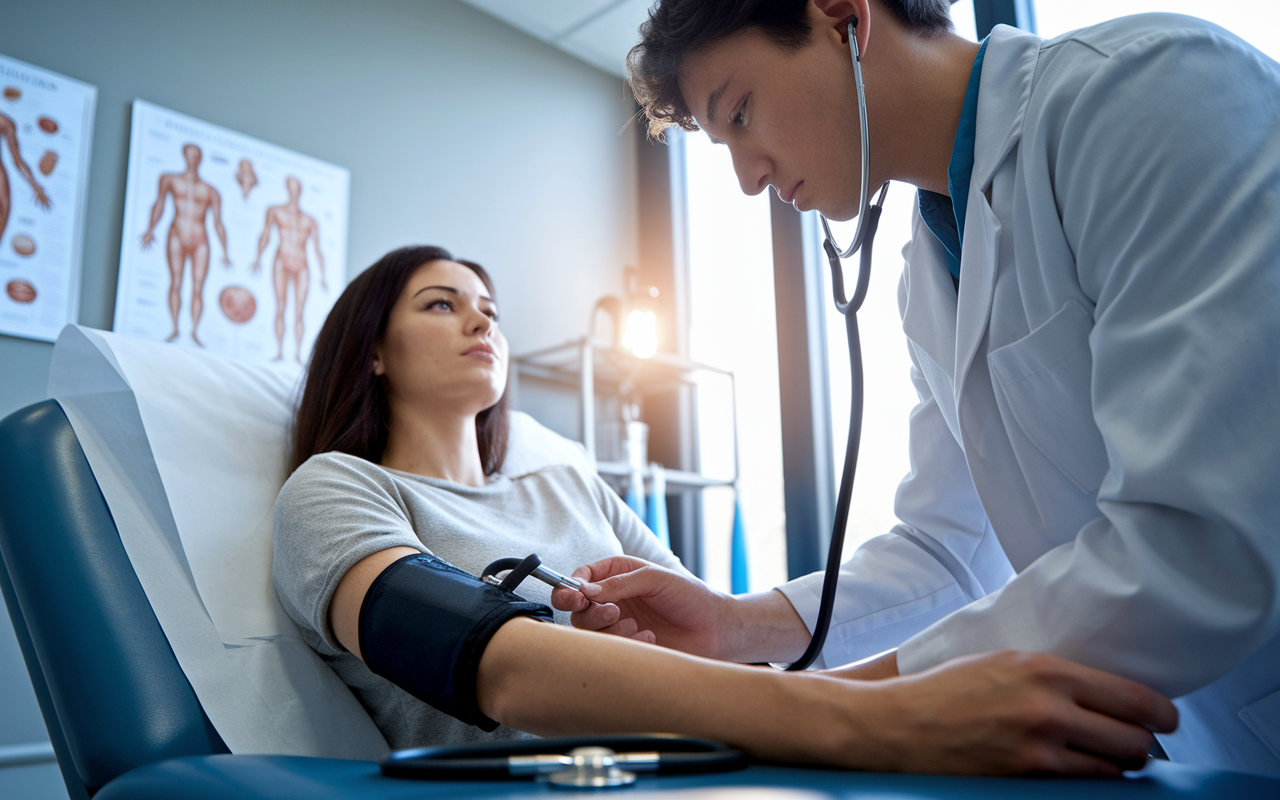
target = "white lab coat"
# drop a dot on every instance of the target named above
(1100, 406)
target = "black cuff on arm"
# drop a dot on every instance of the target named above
(424, 625)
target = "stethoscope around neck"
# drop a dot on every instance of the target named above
(863, 238)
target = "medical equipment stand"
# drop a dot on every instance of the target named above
(594, 369)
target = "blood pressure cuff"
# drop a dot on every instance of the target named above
(424, 625)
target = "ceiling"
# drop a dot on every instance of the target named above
(600, 32)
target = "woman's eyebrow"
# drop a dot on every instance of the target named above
(442, 288)
(448, 289)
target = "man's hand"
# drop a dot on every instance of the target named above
(148, 239)
(1012, 713)
(630, 597)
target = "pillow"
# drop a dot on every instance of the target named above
(532, 446)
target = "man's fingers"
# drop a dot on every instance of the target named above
(1121, 743)
(1065, 761)
(595, 617)
(643, 582)
(568, 600)
(626, 628)
(1123, 699)
(608, 567)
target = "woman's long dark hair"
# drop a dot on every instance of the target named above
(344, 405)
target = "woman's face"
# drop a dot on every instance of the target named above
(442, 348)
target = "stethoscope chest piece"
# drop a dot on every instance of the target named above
(577, 762)
(593, 768)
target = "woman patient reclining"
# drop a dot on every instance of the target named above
(398, 441)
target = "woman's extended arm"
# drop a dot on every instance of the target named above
(1005, 713)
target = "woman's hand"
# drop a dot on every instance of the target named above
(631, 597)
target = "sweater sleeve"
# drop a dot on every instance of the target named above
(332, 512)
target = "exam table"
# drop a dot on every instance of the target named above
(125, 722)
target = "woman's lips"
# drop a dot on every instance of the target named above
(481, 352)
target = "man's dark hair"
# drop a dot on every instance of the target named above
(344, 405)
(676, 28)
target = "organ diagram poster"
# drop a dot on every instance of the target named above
(46, 131)
(230, 243)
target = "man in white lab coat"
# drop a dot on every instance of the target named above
(1092, 304)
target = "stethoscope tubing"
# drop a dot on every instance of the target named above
(654, 753)
(864, 238)
(860, 231)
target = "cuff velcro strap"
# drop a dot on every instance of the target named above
(424, 625)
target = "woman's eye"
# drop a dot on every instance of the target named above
(491, 314)
(740, 115)
(444, 304)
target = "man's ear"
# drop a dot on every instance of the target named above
(835, 15)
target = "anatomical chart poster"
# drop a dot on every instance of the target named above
(46, 131)
(230, 244)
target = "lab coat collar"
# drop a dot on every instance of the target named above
(1007, 74)
(929, 312)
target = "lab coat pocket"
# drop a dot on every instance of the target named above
(1045, 379)
(1263, 718)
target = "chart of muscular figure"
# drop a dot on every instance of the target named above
(230, 243)
(46, 129)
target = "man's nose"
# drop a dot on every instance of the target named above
(754, 171)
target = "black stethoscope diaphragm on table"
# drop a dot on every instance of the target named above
(574, 762)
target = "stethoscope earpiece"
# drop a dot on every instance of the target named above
(844, 28)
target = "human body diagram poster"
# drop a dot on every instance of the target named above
(46, 131)
(229, 243)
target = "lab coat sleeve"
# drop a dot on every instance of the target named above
(1167, 179)
(941, 556)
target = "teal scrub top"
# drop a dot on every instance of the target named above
(944, 217)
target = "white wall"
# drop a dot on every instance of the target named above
(457, 129)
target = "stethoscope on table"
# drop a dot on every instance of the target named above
(596, 762)
(574, 762)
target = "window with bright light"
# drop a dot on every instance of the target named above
(734, 327)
